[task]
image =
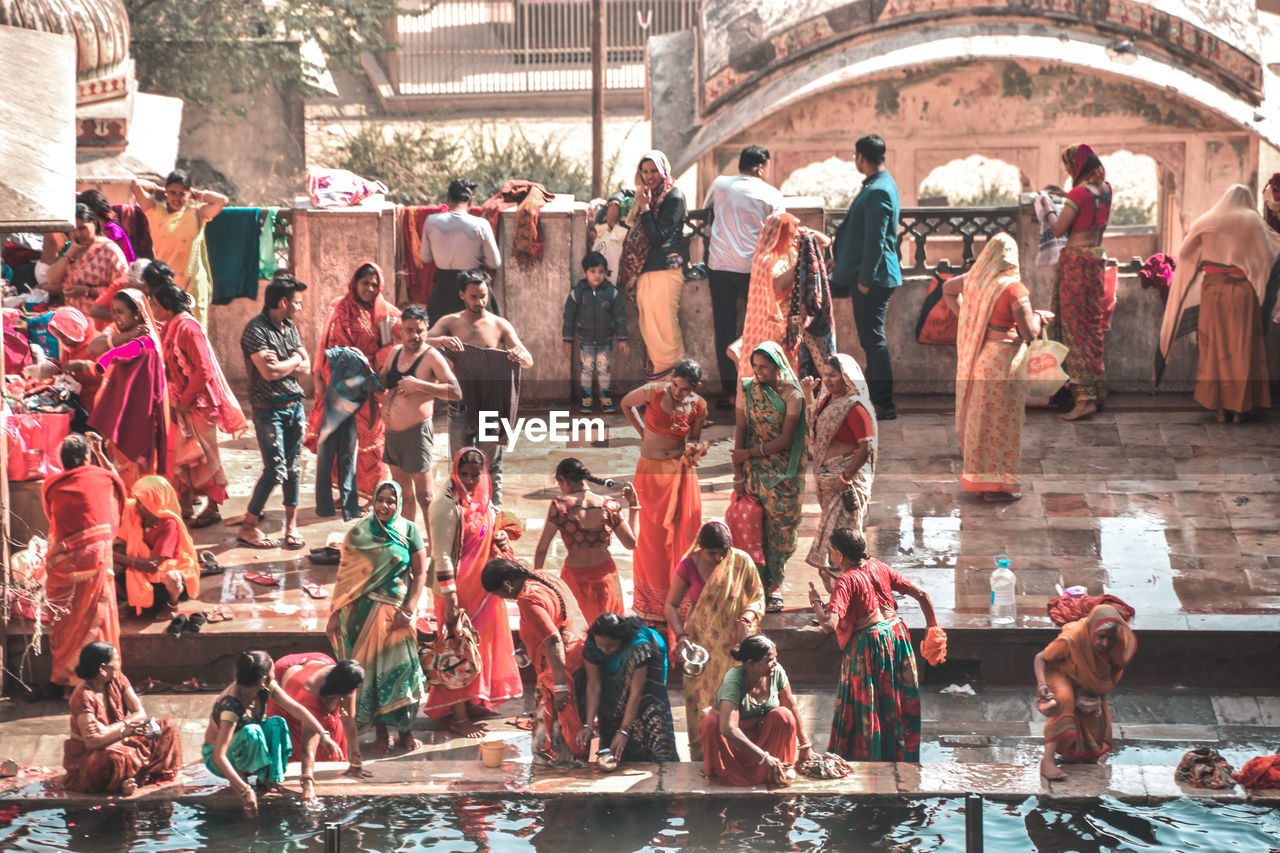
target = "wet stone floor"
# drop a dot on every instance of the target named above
(1150, 500)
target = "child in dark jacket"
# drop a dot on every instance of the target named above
(596, 312)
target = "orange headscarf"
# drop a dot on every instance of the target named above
(158, 497)
(1089, 669)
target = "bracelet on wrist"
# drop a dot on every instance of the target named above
(560, 688)
(626, 734)
(765, 758)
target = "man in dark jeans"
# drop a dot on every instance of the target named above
(741, 203)
(866, 265)
(274, 358)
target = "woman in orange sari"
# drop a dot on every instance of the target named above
(364, 320)
(670, 500)
(200, 402)
(1074, 674)
(996, 323)
(83, 505)
(1223, 267)
(156, 552)
(552, 631)
(465, 534)
(589, 571)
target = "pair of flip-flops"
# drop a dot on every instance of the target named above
(292, 542)
(151, 685)
(209, 565)
(194, 685)
(262, 578)
(182, 623)
(218, 614)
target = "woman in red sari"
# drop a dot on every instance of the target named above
(363, 320)
(200, 402)
(83, 505)
(552, 630)
(754, 734)
(114, 746)
(585, 522)
(328, 690)
(465, 534)
(670, 500)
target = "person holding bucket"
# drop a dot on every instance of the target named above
(725, 605)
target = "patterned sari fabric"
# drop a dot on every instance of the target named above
(991, 387)
(371, 330)
(775, 480)
(877, 713)
(831, 415)
(547, 608)
(473, 546)
(373, 581)
(159, 499)
(653, 736)
(1079, 309)
(766, 317)
(1074, 666)
(101, 268)
(733, 589)
(146, 761)
(83, 506)
(200, 402)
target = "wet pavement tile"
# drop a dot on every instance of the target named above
(1091, 781)
(1142, 707)
(1161, 785)
(1171, 732)
(1237, 710)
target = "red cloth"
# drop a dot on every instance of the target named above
(195, 378)
(331, 721)
(1262, 771)
(132, 394)
(419, 276)
(859, 591)
(729, 764)
(544, 611)
(144, 760)
(857, 426)
(596, 589)
(1064, 609)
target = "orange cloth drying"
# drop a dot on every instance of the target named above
(934, 647)
(1260, 772)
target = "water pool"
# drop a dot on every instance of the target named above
(616, 825)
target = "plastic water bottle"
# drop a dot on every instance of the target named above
(1003, 584)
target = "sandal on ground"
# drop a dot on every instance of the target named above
(195, 622)
(523, 722)
(773, 603)
(325, 556)
(218, 614)
(150, 685)
(177, 625)
(193, 685)
(263, 544)
(262, 578)
(205, 519)
(315, 590)
(209, 565)
(294, 542)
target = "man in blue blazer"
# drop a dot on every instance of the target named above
(866, 265)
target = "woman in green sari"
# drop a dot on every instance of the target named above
(768, 457)
(375, 603)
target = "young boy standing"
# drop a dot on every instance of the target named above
(595, 311)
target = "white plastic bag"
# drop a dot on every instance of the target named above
(339, 188)
(1050, 246)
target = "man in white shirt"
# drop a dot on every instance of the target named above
(741, 202)
(455, 241)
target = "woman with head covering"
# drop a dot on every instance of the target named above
(176, 214)
(877, 711)
(996, 324)
(91, 269)
(1217, 291)
(101, 207)
(768, 457)
(1271, 206)
(466, 533)
(1079, 300)
(725, 603)
(132, 409)
(551, 631)
(156, 553)
(71, 329)
(754, 734)
(842, 442)
(626, 699)
(1074, 674)
(787, 254)
(114, 746)
(200, 402)
(652, 261)
(373, 617)
(363, 320)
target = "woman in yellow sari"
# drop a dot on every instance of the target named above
(156, 551)
(768, 457)
(996, 323)
(1074, 674)
(177, 214)
(725, 605)
(373, 616)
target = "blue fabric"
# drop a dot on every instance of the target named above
(279, 433)
(351, 384)
(259, 749)
(232, 238)
(336, 455)
(866, 249)
(613, 663)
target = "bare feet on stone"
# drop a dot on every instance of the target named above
(1049, 769)
(381, 741)
(481, 712)
(1081, 410)
(408, 742)
(466, 728)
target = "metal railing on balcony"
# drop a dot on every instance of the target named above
(477, 47)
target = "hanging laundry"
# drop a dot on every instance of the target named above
(270, 240)
(233, 240)
(418, 276)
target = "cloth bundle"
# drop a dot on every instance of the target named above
(934, 647)
(1262, 771)
(1064, 609)
(829, 766)
(1205, 768)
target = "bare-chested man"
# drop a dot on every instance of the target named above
(476, 327)
(415, 375)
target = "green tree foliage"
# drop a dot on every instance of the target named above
(989, 194)
(198, 50)
(415, 164)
